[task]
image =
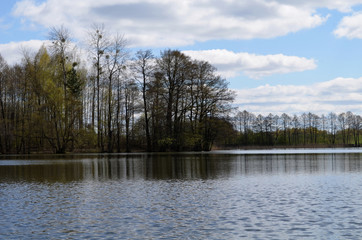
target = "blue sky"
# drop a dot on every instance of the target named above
(279, 56)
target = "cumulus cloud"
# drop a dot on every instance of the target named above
(13, 52)
(175, 23)
(337, 95)
(231, 64)
(340, 5)
(350, 26)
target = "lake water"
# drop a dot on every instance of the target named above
(270, 194)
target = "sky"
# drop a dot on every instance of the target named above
(282, 56)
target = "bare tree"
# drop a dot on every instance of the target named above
(116, 56)
(350, 118)
(304, 118)
(323, 121)
(244, 121)
(332, 126)
(342, 125)
(143, 69)
(98, 44)
(286, 119)
(3, 109)
(295, 125)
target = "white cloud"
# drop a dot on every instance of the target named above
(350, 26)
(230, 64)
(340, 5)
(337, 95)
(175, 23)
(13, 52)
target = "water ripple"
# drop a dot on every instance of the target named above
(263, 206)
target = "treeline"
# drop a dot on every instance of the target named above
(52, 101)
(307, 129)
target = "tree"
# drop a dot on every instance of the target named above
(98, 43)
(114, 64)
(58, 97)
(143, 68)
(259, 128)
(350, 118)
(295, 125)
(333, 127)
(3, 109)
(60, 38)
(173, 65)
(276, 128)
(210, 99)
(244, 121)
(130, 96)
(356, 129)
(268, 122)
(313, 120)
(342, 125)
(60, 88)
(323, 122)
(158, 115)
(286, 119)
(304, 118)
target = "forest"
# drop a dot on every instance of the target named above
(55, 100)
(304, 130)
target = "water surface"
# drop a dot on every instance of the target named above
(218, 195)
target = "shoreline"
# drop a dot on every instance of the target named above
(217, 150)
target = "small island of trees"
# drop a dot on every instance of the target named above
(56, 101)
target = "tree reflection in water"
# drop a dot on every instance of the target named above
(173, 166)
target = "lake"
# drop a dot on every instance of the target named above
(266, 194)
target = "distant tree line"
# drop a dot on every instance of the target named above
(52, 101)
(307, 129)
